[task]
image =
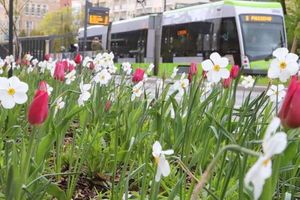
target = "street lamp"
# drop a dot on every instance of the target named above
(10, 33)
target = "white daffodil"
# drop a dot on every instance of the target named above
(12, 92)
(276, 93)
(216, 68)
(9, 59)
(87, 61)
(85, 94)
(112, 68)
(43, 66)
(2, 64)
(59, 104)
(273, 143)
(163, 167)
(34, 62)
(173, 75)
(102, 77)
(28, 57)
(181, 85)
(137, 90)
(29, 69)
(126, 67)
(70, 77)
(49, 89)
(284, 65)
(150, 68)
(247, 81)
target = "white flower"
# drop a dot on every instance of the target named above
(163, 167)
(112, 69)
(85, 94)
(34, 62)
(105, 61)
(137, 91)
(150, 68)
(70, 77)
(29, 69)
(102, 77)
(12, 92)
(273, 143)
(49, 89)
(276, 93)
(87, 61)
(173, 75)
(28, 57)
(2, 63)
(181, 85)
(247, 82)
(9, 59)
(59, 104)
(216, 67)
(126, 67)
(284, 65)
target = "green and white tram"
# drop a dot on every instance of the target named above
(246, 32)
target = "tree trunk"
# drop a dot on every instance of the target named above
(294, 45)
(295, 39)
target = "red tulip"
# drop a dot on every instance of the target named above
(138, 75)
(38, 110)
(193, 70)
(47, 57)
(68, 66)
(234, 72)
(78, 58)
(59, 72)
(290, 111)
(227, 82)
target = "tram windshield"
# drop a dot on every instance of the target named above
(262, 34)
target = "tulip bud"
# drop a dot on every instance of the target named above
(38, 110)
(138, 75)
(227, 82)
(78, 59)
(59, 71)
(289, 112)
(193, 70)
(234, 72)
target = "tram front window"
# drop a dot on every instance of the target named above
(262, 34)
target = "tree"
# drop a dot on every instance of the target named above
(293, 23)
(59, 23)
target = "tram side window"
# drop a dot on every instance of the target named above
(129, 44)
(229, 42)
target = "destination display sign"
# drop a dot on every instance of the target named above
(98, 19)
(261, 18)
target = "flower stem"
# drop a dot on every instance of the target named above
(206, 174)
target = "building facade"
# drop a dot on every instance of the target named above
(30, 13)
(124, 9)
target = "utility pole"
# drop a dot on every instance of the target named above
(165, 5)
(85, 26)
(10, 33)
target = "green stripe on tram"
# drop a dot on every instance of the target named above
(253, 4)
(260, 64)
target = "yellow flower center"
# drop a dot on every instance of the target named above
(266, 162)
(217, 68)
(11, 91)
(282, 65)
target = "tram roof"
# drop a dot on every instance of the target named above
(254, 4)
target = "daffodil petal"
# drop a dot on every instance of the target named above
(291, 57)
(8, 102)
(215, 57)
(276, 144)
(207, 65)
(156, 149)
(164, 166)
(4, 84)
(280, 53)
(20, 97)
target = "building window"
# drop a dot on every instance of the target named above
(44, 11)
(32, 9)
(38, 10)
(27, 9)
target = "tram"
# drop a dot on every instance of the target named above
(246, 32)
